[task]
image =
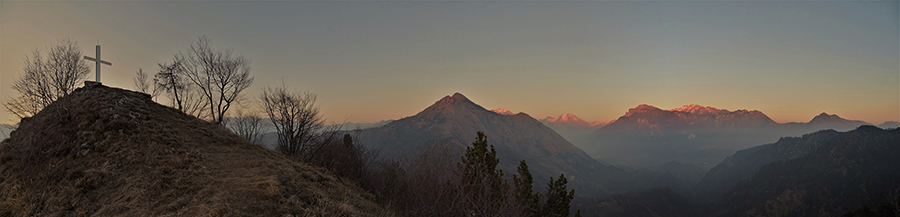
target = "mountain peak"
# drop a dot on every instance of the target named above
(823, 114)
(450, 100)
(502, 111)
(567, 117)
(645, 106)
(698, 109)
(459, 96)
(641, 108)
(455, 103)
(826, 118)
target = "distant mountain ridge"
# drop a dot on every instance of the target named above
(647, 136)
(364, 125)
(826, 173)
(5, 129)
(570, 126)
(690, 116)
(572, 121)
(889, 124)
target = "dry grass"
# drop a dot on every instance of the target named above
(111, 152)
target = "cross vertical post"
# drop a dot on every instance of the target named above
(98, 61)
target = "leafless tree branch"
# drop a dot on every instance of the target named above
(247, 125)
(143, 84)
(171, 80)
(46, 80)
(295, 115)
(219, 76)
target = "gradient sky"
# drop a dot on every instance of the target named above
(370, 61)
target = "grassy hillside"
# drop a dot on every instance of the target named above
(110, 152)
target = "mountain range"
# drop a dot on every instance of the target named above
(454, 120)
(826, 173)
(647, 136)
(108, 151)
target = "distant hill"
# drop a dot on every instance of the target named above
(354, 125)
(103, 151)
(5, 129)
(832, 121)
(647, 136)
(453, 120)
(819, 174)
(889, 124)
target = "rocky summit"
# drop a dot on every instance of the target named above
(112, 152)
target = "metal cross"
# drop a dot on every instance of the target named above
(99, 61)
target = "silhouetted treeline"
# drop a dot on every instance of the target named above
(436, 182)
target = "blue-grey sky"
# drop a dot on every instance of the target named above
(371, 61)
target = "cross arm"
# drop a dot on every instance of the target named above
(95, 60)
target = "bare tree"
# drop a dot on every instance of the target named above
(219, 76)
(45, 80)
(247, 125)
(893, 198)
(143, 84)
(301, 129)
(170, 80)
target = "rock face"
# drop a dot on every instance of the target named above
(647, 136)
(454, 120)
(112, 152)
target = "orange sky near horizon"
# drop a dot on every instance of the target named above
(372, 61)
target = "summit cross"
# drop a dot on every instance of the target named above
(98, 61)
